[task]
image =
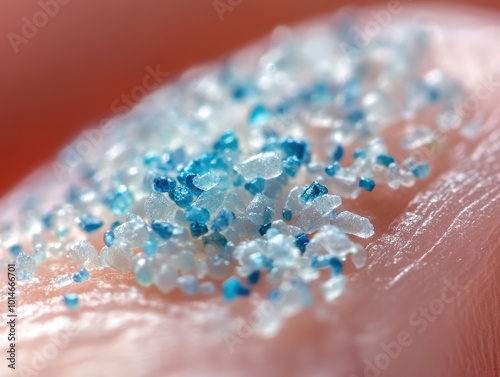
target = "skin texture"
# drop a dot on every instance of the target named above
(435, 251)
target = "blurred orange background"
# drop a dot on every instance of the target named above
(89, 52)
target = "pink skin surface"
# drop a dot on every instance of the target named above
(426, 303)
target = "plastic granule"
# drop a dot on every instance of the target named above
(71, 301)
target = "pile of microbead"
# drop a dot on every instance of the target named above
(236, 172)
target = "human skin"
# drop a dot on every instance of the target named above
(435, 244)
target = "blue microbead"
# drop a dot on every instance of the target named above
(264, 228)
(239, 92)
(259, 115)
(109, 238)
(190, 184)
(355, 116)
(227, 141)
(71, 301)
(47, 220)
(89, 223)
(359, 153)
(421, 170)
(338, 153)
(195, 213)
(292, 147)
(215, 239)
(315, 190)
(291, 165)
(15, 249)
(336, 265)
(255, 186)
(366, 183)
(150, 248)
(332, 169)
(351, 92)
(114, 225)
(163, 229)
(198, 229)
(232, 288)
(164, 184)
(238, 180)
(181, 196)
(275, 295)
(119, 201)
(301, 242)
(286, 214)
(253, 278)
(223, 220)
(433, 95)
(81, 275)
(385, 160)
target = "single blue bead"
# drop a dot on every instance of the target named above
(181, 196)
(227, 141)
(164, 184)
(109, 238)
(301, 241)
(291, 165)
(81, 275)
(15, 249)
(195, 213)
(355, 116)
(259, 115)
(293, 147)
(359, 153)
(385, 160)
(338, 153)
(275, 295)
(89, 223)
(232, 288)
(151, 158)
(433, 95)
(71, 301)
(286, 214)
(255, 186)
(150, 248)
(336, 265)
(264, 228)
(366, 183)
(198, 229)
(47, 220)
(253, 278)
(332, 169)
(238, 180)
(421, 170)
(223, 220)
(239, 92)
(351, 92)
(315, 190)
(163, 229)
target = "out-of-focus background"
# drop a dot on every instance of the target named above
(65, 64)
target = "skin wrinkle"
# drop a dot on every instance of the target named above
(159, 332)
